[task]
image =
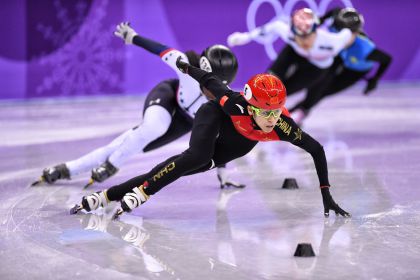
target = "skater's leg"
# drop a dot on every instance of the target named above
(181, 124)
(137, 138)
(281, 65)
(155, 123)
(96, 157)
(160, 107)
(117, 192)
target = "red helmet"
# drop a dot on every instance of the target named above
(265, 91)
(304, 22)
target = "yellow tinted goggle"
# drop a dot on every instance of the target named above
(266, 113)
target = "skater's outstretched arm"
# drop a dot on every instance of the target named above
(277, 27)
(167, 54)
(130, 36)
(289, 131)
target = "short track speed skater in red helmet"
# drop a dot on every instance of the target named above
(265, 91)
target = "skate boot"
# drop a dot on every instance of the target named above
(91, 202)
(224, 179)
(52, 174)
(132, 200)
(101, 173)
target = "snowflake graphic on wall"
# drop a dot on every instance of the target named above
(85, 64)
(69, 23)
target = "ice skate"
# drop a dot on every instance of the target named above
(224, 180)
(117, 214)
(91, 181)
(91, 202)
(101, 173)
(232, 184)
(131, 200)
(52, 174)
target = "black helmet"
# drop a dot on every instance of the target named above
(348, 18)
(221, 61)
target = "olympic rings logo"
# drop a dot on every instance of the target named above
(282, 13)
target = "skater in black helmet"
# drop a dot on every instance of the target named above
(352, 64)
(228, 127)
(168, 112)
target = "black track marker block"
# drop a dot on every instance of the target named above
(304, 250)
(290, 184)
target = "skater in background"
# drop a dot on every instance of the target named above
(228, 127)
(309, 51)
(351, 65)
(168, 111)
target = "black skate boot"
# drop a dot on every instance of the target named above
(52, 174)
(91, 202)
(101, 173)
(132, 200)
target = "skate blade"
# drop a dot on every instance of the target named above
(91, 181)
(117, 214)
(38, 181)
(234, 185)
(76, 208)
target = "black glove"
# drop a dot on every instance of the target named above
(182, 66)
(371, 85)
(329, 204)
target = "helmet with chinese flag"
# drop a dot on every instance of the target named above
(265, 91)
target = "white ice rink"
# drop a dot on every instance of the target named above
(194, 230)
